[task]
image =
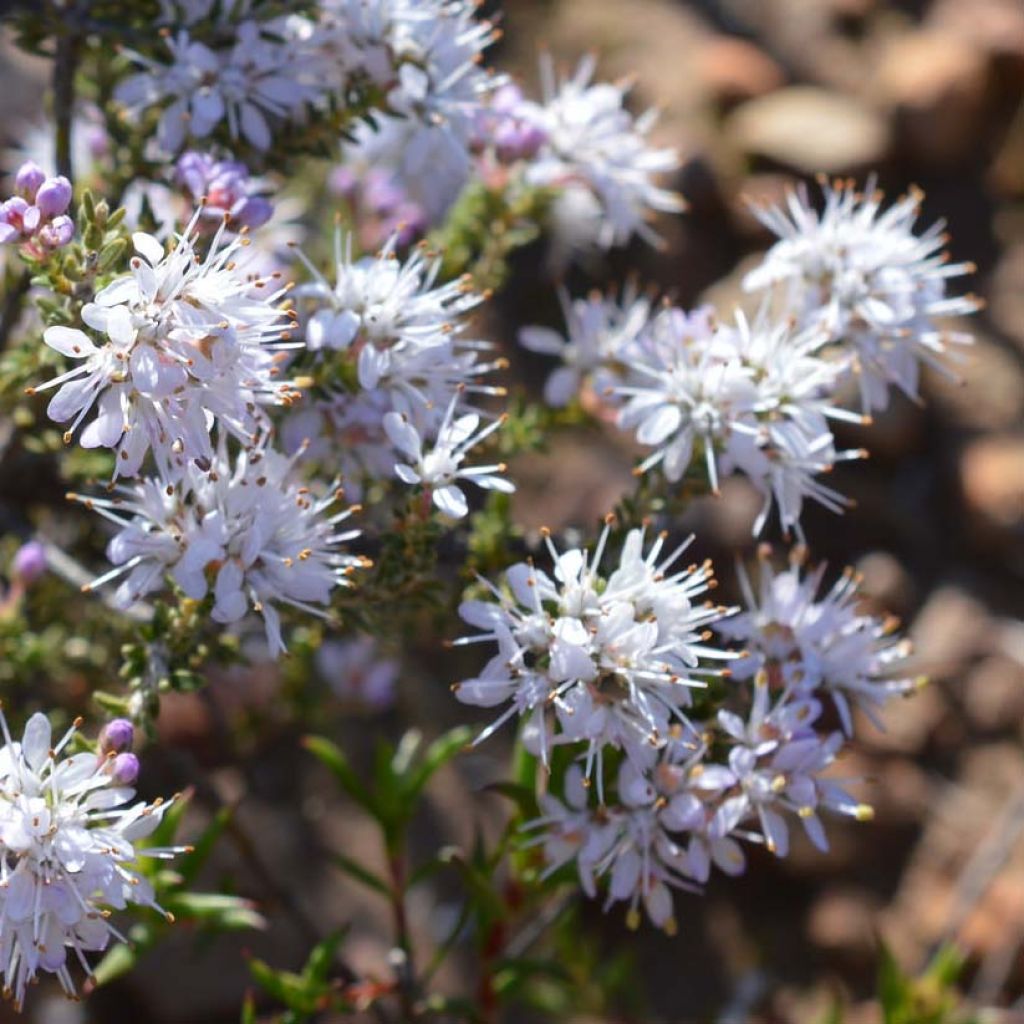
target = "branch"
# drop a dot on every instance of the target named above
(64, 64)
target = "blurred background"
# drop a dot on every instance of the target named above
(757, 94)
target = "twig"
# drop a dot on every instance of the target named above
(986, 862)
(403, 963)
(13, 303)
(64, 65)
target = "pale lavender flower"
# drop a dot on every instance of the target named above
(861, 275)
(67, 835)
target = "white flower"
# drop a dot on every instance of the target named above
(259, 77)
(808, 645)
(749, 396)
(775, 766)
(258, 534)
(345, 431)
(440, 467)
(863, 276)
(66, 855)
(685, 389)
(185, 340)
(594, 140)
(600, 334)
(615, 658)
(428, 55)
(405, 335)
(382, 301)
(627, 842)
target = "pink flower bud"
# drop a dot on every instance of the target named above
(28, 179)
(117, 735)
(29, 562)
(58, 232)
(126, 769)
(54, 196)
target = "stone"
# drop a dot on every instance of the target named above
(810, 129)
(844, 919)
(885, 584)
(733, 69)
(993, 693)
(950, 629)
(988, 391)
(936, 84)
(992, 478)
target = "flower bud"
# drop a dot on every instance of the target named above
(252, 211)
(29, 562)
(117, 735)
(54, 196)
(58, 232)
(28, 179)
(13, 212)
(125, 770)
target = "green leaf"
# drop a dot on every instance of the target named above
(191, 863)
(229, 913)
(332, 757)
(248, 1010)
(321, 959)
(355, 870)
(439, 753)
(118, 961)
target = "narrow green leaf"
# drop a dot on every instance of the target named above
(331, 755)
(355, 870)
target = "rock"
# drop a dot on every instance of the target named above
(988, 393)
(1006, 287)
(993, 693)
(995, 25)
(992, 478)
(733, 69)
(581, 479)
(729, 518)
(936, 84)
(844, 919)
(909, 722)
(950, 629)
(810, 129)
(885, 584)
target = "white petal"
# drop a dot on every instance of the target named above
(69, 341)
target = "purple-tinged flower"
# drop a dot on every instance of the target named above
(53, 197)
(28, 180)
(118, 735)
(510, 124)
(58, 232)
(225, 186)
(29, 562)
(125, 770)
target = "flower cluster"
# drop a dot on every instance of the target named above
(606, 661)
(185, 339)
(68, 829)
(224, 188)
(427, 56)
(35, 216)
(597, 154)
(245, 534)
(810, 645)
(415, 370)
(751, 397)
(378, 204)
(736, 777)
(860, 275)
(259, 79)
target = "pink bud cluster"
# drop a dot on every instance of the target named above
(36, 213)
